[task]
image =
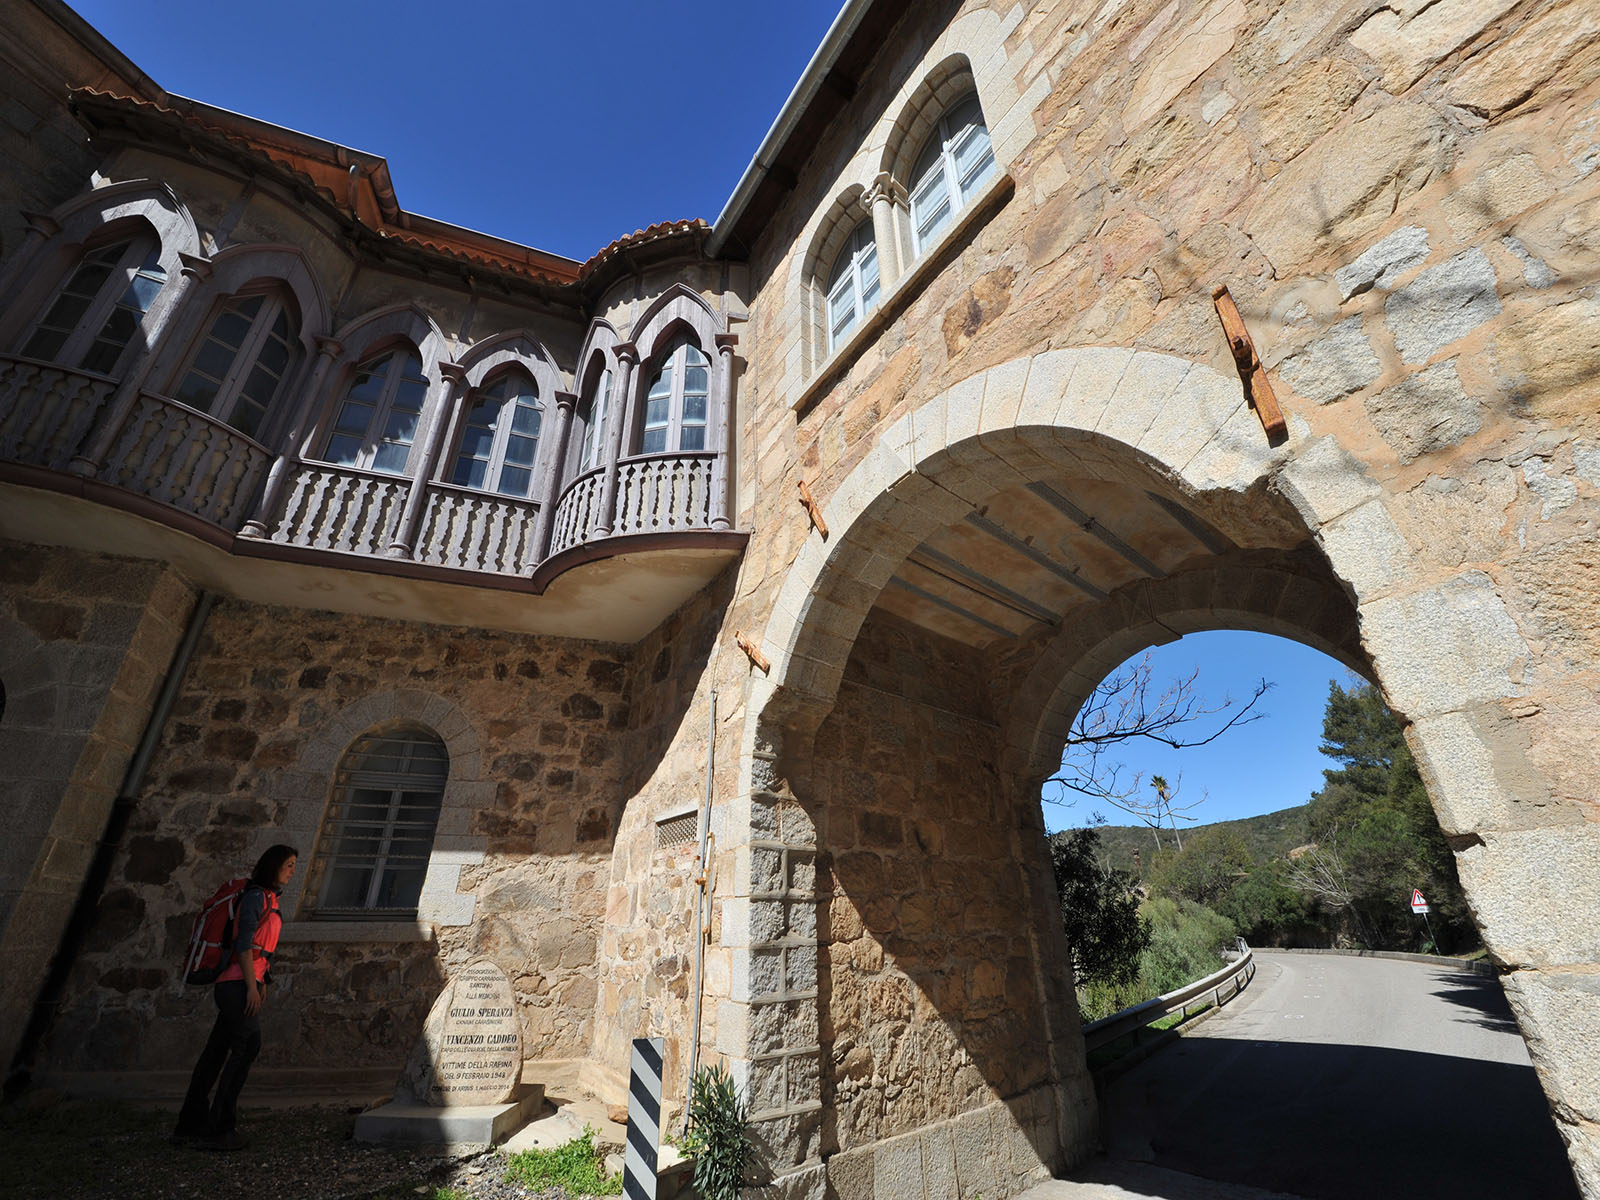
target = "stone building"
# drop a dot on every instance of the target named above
(432, 553)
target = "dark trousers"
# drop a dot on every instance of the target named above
(225, 1062)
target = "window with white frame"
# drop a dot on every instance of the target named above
(500, 438)
(853, 283)
(239, 366)
(953, 164)
(594, 424)
(94, 317)
(676, 400)
(377, 836)
(378, 414)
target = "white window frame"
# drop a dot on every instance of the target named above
(501, 431)
(936, 177)
(138, 260)
(372, 438)
(855, 281)
(424, 770)
(592, 452)
(228, 401)
(671, 371)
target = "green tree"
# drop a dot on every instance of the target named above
(1376, 836)
(1210, 864)
(1266, 909)
(1098, 910)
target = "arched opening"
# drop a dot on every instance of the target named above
(929, 659)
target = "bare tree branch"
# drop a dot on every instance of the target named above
(1123, 707)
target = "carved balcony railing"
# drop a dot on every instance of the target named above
(574, 515)
(664, 493)
(46, 410)
(477, 531)
(163, 451)
(657, 493)
(340, 508)
(188, 460)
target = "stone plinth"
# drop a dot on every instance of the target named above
(407, 1122)
(463, 1082)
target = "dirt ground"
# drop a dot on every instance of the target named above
(105, 1150)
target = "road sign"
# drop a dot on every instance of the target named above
(1418, 904)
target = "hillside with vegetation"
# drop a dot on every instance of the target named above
(1336, 871)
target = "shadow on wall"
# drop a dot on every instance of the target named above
(568, 733)
(930, 1006)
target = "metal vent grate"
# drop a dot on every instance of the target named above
(677, 831)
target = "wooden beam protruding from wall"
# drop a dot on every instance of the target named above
(754, 655)
(1257, 390)
(813, 509)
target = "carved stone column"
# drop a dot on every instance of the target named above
(555, 467)
(405, 535)
(289, 457)
(722, 437)
(884, 197)
(627, 358)
(87, 462)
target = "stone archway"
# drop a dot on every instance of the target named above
(1294, 540)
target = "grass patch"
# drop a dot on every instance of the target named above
(576, 1167)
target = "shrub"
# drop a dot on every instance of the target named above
(719, 1134)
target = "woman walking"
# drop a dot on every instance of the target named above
(239, 993)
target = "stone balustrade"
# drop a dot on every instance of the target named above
(46, 410)
(198, 466)
(187, 460)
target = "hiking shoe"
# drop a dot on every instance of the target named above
(227, 1142)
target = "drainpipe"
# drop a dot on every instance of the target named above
(94, 880)
(701, 900)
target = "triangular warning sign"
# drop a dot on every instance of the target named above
(1416, 897)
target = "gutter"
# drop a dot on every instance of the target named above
(95, 42)
(833, 44)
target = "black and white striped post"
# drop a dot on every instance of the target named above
(644, 1120)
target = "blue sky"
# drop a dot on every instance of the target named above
(558, 125)
(566, 125)
(1260, 767)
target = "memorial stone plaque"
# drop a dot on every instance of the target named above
(470, 1051)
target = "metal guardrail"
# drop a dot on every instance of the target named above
(1233, 978)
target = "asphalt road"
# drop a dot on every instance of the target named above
(1335, 1078)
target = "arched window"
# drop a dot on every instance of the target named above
(676, 400)
(377, 418)
(376, 839)
(500, 438)
(95, 315)
(595, 409)
(954, 162)
(853, 283)
(236, 371)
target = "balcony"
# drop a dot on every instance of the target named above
(327, 530)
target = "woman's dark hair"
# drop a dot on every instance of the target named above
(269, 864)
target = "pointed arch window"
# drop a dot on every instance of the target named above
(500, 438)
(378, 834)
(239, 366)
(955, 161)
(378, 414)
(853, 283)
(94, 317)
(594, 424)
(676, 400)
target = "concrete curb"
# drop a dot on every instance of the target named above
(1475, 966)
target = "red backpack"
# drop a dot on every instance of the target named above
(211, 943)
